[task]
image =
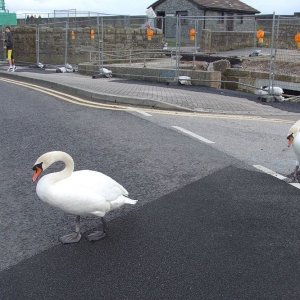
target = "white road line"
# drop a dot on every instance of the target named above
(296, 185)
(270, 172)
(277, 175)
(194, 135)
(140, 112)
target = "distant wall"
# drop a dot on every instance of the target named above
(52, 43)
(243, 80)
(222, 41)
(215, 41)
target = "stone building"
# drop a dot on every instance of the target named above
(215, 15)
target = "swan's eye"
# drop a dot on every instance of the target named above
(38, 166)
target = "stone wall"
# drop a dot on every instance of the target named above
(216, 41)
(287, 29)
(245, 80)
(52, 44)
(205, 78)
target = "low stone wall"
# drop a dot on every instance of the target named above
(80, 47)
(245, 80)
(217, 41)
(205, 78)
(224, 41)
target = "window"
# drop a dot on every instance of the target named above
(221, 18)
(241, 20)
(183, 14)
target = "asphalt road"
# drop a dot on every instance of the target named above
(253, 140)
(147, 159)
(207, 225)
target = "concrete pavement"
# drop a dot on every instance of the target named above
(156, 95)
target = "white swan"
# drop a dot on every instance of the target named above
(293, 137)
(80, 193)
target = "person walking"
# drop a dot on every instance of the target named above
(9, 49)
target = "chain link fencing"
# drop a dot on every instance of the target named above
(258, 51)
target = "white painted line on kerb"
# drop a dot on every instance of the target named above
(140, 112)
(194, 135)
(277, 175)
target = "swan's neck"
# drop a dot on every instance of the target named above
(68, 169)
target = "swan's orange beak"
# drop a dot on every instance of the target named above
(37, 173)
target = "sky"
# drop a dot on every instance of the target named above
(133, 7)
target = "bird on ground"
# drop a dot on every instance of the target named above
(256, 52)
(82, 193)
(266, 90)
(293, 138)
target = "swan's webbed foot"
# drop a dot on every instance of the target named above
(70, 238)
(96, 235)
(295, 175)
(73, 237)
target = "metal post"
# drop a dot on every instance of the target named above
(275, 52)
(196, 37)
(66, 47)
(178, 42)
(195, 43)
(98, 35)
(3, 43)
(100, 43)
(37, 44)
(271, 74)
(254, 30)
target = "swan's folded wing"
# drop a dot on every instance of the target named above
(77, 200)
(95, 182)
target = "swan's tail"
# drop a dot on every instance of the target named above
(130, 201)
(121, 201)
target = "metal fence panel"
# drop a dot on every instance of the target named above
(177, 44)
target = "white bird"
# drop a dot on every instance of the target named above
(184, 80)
(261, 92)
(293, 137)
(255, 53)
(264, 90)
(274, 91)
(81, 193)
(107, 73)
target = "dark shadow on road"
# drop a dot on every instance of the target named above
(231, 235)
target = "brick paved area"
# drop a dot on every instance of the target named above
(192, 97)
